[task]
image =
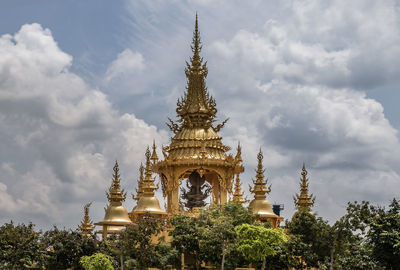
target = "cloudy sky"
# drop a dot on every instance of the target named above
(83, 83)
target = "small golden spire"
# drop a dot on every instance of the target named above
(139, 190)
(154, 157)
(260, 205)
(116, 217)
(147, 202)
(304, 200)
(260, 185)
(196, 109)
(238, 194)
(115, 194)
(238, 156)
(86, 226)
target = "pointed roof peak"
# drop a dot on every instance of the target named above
(115, 194)
(304, 200)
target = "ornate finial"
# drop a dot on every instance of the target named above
(196, 109)
(115, 194)
(304, 200)
(238, 194)
(148, 182)
(86, 226)
(238, 156)
(260, 185)
(139, 190)
(154, 156)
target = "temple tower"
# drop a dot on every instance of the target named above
(116, 217)
(86, 226)
(147, 202)
(196, 146)
(260, 205)
(304, 200)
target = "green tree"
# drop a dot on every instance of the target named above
(217, 233)
(257, 242)
(20, 247)
(142, 249)
(384, 236)
(185, 237)
(66, 247)
(311, 240)
(97, 261)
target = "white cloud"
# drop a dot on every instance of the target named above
(60, 137)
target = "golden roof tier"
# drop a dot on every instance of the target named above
(116, 217)
(139, 189)
(147, 203)
(86, 226)
(260, 205)
(238, 194)
(304, 200)
(196, 145)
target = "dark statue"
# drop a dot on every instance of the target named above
(197, 191)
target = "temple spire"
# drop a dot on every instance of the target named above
(260, 185)
(86, 226)
(139, 190)
(304, 200)
(115, 194)
(238, 194)
(196, 109)
(154, 157)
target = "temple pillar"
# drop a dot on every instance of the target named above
(223, 195)
(174, 200)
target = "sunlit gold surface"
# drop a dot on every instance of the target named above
(116, 217)
(148, 203)
(86, 226)
(196, 145)
(304, 200)
(238, 194)
(260, 205)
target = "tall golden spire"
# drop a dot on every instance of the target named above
(115, 194)
(260, 205)
(304, 200)
(147, 202)
(196, 108)
(139, 190)
(260, 186)
(116, 217)
(154, 157)
(238, 194)
(86, 226)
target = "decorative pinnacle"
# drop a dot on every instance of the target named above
(115, 194)
(237, 194)
(304, 200)
(154, 156)
(86, 226)
(148, 182)
(260, 185)
(139, 190)
(238, 156)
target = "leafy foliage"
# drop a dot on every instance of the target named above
(97, 261)
(20, 247)
(66, 247)
(257, 242)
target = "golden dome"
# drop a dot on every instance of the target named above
(147, 202)
(260, 205)
(116, 217)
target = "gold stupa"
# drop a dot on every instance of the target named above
(304, 201)
(116, 216)
(147, 203)
(86, 226)
(260, 205)
(139, 190)
(196, 145)
(238, 194)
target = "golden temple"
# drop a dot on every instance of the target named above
(196, 153)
